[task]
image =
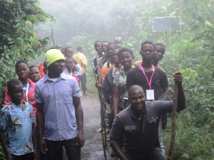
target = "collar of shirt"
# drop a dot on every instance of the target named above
(48, 79)
(134, 116)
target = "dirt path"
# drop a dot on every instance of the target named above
(93, 145)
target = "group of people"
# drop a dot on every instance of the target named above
(41, 115)
(136, 126)
(42, 118)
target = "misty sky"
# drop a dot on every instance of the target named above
(98, 18)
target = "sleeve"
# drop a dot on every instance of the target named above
(38, 96)
(6, 97)
(130, 79)
(117, 131)
(164, 82)
(4, 120)
(164, 106)
(32, 114)
(75, 89)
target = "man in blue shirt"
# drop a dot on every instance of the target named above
(60, 115)
(16, 123)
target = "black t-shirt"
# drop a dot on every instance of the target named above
(138, 135)
(159, 81)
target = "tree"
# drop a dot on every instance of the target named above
(18, 39)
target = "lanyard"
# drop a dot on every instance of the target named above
(149, 81)
(27, 91)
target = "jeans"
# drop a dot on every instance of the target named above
(55, 149)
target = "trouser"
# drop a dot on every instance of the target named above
(83, 83)
(29, 156)
(154, 155)
(55, 149)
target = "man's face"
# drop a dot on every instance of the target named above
(115, 59)
(98, 47)
(126, 59)
(57, 67)
(147, 52)
(137, 100)
(105, 46)
(22, 71)
(17, 93)
(69, 63)
(34, 74)
(159, 51)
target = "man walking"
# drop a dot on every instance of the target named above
(60, 116)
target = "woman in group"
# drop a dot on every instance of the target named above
(116, 79)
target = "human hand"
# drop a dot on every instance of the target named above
(81, 139)
(8, 156)
(178, 78)
(43, 146)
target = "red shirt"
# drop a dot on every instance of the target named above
(29, 95)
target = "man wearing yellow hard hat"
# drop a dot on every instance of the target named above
(60, 114)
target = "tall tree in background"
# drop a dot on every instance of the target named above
(17, 36)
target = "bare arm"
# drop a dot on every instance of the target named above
(4, 122)
(118, 150)
(79, 118)
(180, 97)
(180, 101)
(115, 100)
(40, 130)
(4, 147)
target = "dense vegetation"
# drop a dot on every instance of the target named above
(18, 39)
(189, 49)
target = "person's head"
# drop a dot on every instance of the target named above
(68, 52)
(98, 47)
(15, 90)
(147, 51)
(114, 59)
(126, 57)
(55, 61)
(34, 73)
(105, 45)
(113, 48)
(159, 52)
(70, 63)
(22, 70)
(136, 98)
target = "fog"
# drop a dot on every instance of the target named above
(75, 19)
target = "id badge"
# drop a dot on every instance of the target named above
(150, 94)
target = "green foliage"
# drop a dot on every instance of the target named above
(18, 39)
(192, 53)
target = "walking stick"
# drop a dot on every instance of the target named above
(173, 128)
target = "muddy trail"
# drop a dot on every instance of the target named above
(92, 149)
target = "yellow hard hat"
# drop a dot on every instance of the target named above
(54, 55)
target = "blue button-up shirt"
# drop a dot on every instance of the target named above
(16, 126)
(56, 99)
